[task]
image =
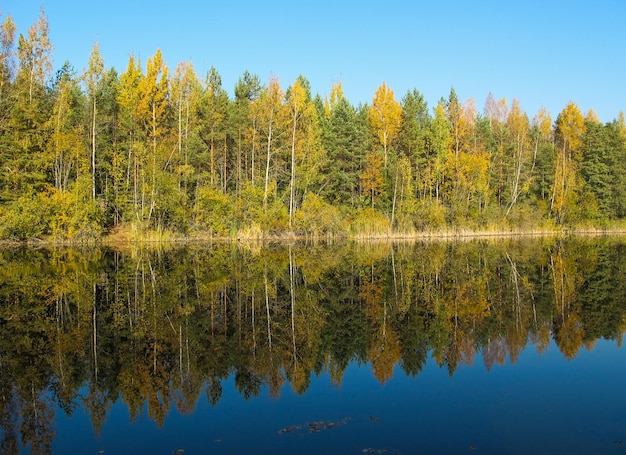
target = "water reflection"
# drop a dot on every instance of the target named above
(165, 329)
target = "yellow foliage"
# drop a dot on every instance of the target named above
(336, 93)
(316, 217)
(592, 116)
(370, 223)
(385, 352)
(543, 121)
(385, 117)
(571, 126)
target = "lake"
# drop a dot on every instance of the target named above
(486, 346)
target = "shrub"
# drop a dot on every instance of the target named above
(318, 218)
(369, 222)
(25, 218)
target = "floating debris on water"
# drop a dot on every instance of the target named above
(315, 427)
(619, 442)
(289, 429)
(374, 419)
(472, 447)
(370, 450)
(179, 452)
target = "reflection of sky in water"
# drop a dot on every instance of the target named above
(542, 404)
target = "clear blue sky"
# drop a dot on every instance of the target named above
(542, 52)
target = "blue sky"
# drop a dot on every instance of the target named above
(545, 53)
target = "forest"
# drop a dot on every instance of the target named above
(155, 152)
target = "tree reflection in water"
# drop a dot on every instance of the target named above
(158, 328)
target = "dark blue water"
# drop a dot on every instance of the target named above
(436, 348)
(542, 404)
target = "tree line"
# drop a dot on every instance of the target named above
(154, 150)
(162, 329)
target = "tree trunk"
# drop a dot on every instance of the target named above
(267, 164)
(93, 151)
(292, 182)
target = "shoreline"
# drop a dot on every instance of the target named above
(119, 239)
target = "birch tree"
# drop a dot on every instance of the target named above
(93, 78)
(570, 127)
(269, 107)
(519, 129)
(385, 117)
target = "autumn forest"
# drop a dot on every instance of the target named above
(159, 151)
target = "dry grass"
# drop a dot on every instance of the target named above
(129, 235)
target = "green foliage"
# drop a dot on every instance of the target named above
(169, 152)
(344, 137)
(602, 168)
(318, 218)
(528, 216)
(74, 215)
(275, 219)
(423, 215)
(213, 212)
(24, 218)
(248, 208)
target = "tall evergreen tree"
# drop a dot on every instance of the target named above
(344, 137)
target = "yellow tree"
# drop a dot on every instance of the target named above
(184, 90)
(567, 277)
(570, 127)
(269, 111)
(458, 122)
(467, 159)
(153, 97)
(7, 38)
(154, 92)
(93, 78)
(468, 117)
(296, 103)
(543, 122)
(185, 94)
(336, 93)
(592, 116)
(385, 117)
(35, 55)
(519, 129)
(304, 143)
(65, 146)
(495, 110)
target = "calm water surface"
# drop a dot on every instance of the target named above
(472, 347)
